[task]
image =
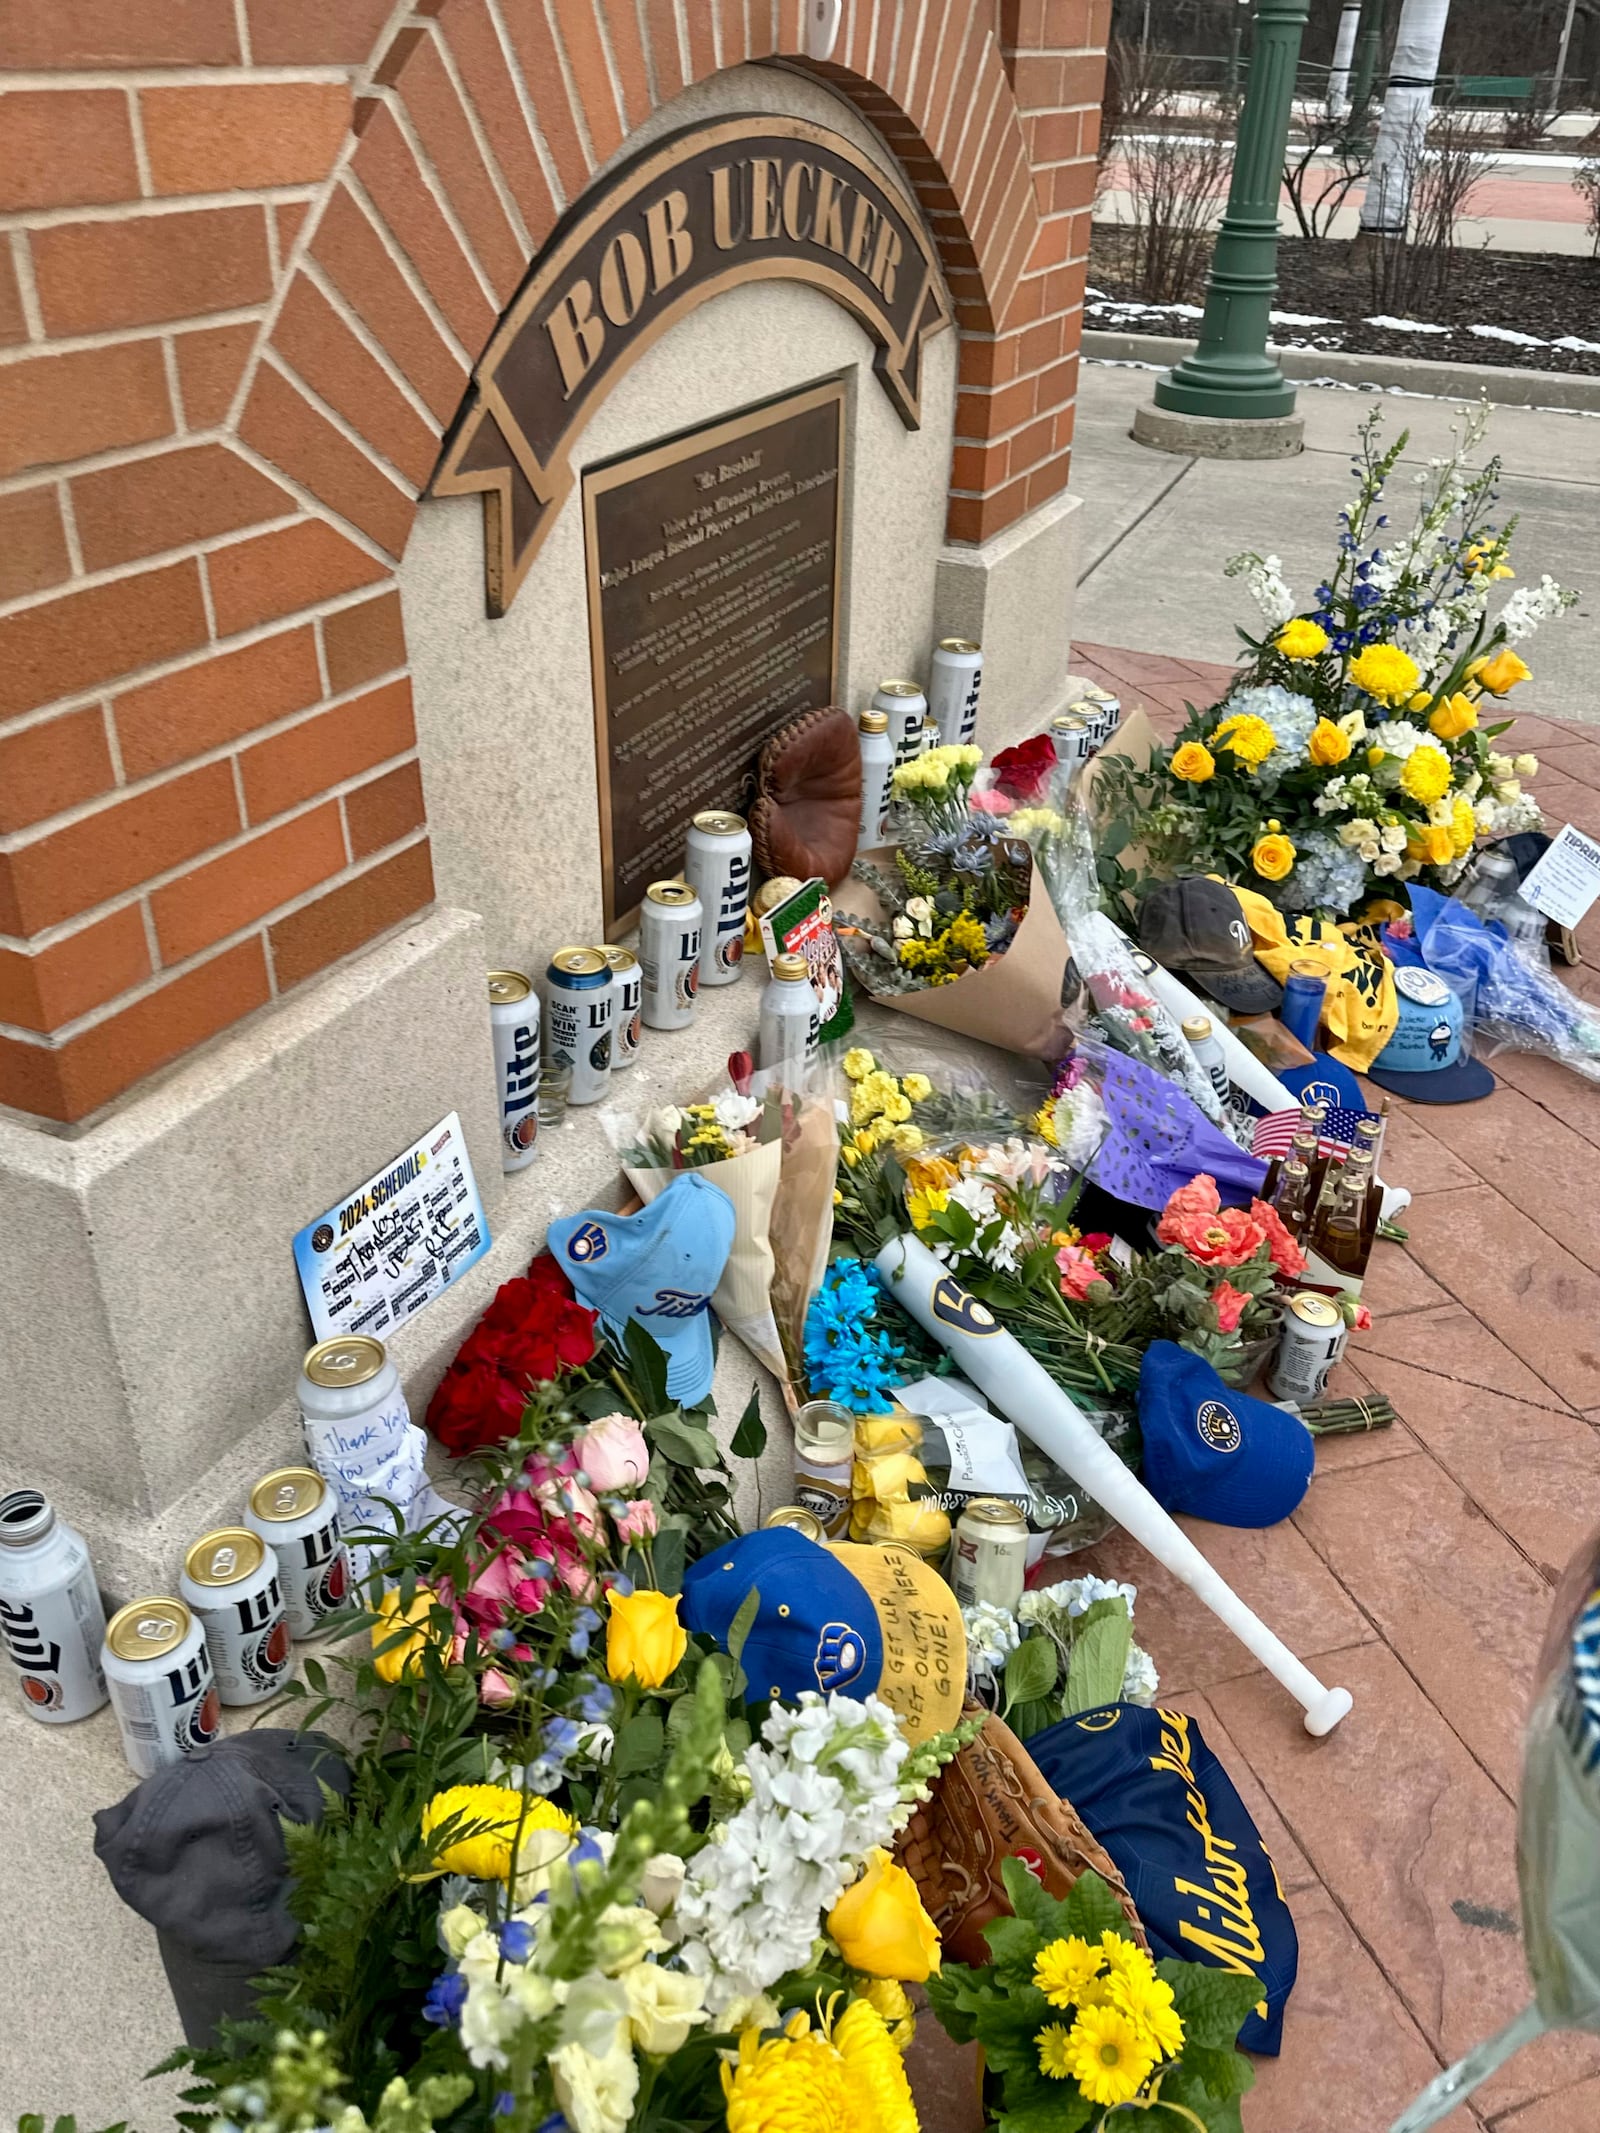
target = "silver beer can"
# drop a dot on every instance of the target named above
(1072, 736)
(1310, 1342)
(51, 1621)
(297, 1514)
(905, 707)
(163, 1690)
(514, 1021)
(955, 675)
(1108, 706)
(230, 1584)
(578, 1021)
(717, 868)
(787, 1043)
(670, 921)
(989, 1553)
(627, 996)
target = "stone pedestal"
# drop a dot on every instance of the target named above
(1219, 437)
(1013, 595)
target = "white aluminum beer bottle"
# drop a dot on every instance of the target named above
(51, 1619)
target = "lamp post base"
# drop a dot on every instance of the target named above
(1219, 436)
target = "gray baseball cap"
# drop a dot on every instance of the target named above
(1197, 928)
(198, 1851)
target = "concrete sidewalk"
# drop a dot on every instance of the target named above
(1157, 529)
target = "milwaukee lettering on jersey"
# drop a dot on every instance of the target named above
(1226, 1928)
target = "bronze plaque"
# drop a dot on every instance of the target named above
(713, 566)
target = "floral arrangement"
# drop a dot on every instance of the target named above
(674, 1137)
(1068, 1648)
(1356, 750)
(1076, 2022)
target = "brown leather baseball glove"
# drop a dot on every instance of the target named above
(808, 798)
(991, 1804)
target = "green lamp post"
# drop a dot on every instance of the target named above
(1231, 376)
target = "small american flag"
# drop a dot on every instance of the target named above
(1275, 1133)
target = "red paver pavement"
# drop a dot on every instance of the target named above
(1418, 1573)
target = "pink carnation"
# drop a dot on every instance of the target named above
(991, 803)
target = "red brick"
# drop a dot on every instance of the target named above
(89, 637)
(110, 33)
(1048, 480)
(94, 275)
(360, 643)
(1057, 385)
(1037, 82)
(121, 845)
(243, 136)
(980, 415)
(1031, 445)
(481, 63)
(528, 28)
(210, 365)
(65, 148)
(315, 340)
(356, 259)
(191, 494)
(51, 766)
(309, 940)
(446, 139)
(661, 17)
(382, 812)
(74, 1080)
(33, 545)
(288, 216)
(283, 426)
(59, 983)
(311, 33)
(976, 468)
(55, 408)
(986, 360)
(702, 46)
(279, 573)
(627, 51)
(590, 77)
(385, 165)
(323, 751)
(13, 326)
(231, 694)
(230, 892)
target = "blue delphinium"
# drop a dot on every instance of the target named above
(848, 1357)
(445, 1998)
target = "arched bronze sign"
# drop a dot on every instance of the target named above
(738, 200)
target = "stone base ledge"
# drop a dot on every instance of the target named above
(1164, 429)
(1013, 594)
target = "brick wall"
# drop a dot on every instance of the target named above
(249, 253)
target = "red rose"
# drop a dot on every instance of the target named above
(1026, 770)
(473, 1406)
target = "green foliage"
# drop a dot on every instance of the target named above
(1099, 1657)
(750, 1438)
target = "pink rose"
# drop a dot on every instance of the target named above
(1287, 1256)
(1363, 1318)
(636, 1521)
(991, 803)
(615, 1457)
(1230, 1304)
(496, 1689)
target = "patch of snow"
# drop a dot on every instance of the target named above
(1127, 307)
(1299, 318)
(1090, 292)
(1508, 333)
(1405, 325)
(1571, 340)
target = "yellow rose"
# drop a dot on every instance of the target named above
(851, 1154)
(1425, 774)
(1272, 855)
(1503, 671)
(1327, 743)
(864, 1142)
(1420, 701)
(1384, 671)
(881, 1927)
(1375, 756)
(1430, 843)
(1457, 715)
(1194, 763)
(405, 1658)
(644, 1638)
(1301, 639)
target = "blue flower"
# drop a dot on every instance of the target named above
(446, 1997)
(555, 2123)
(516, 1940)
(560, 1736)
(619, 1584)
(596, 1704)
(586, 1848)
(504, 2104)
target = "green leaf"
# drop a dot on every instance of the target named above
(1027, 1719)
(684, 1442)
(639, 1745)
(1212, 2002)
(648, 1363)
(1031, 1671)
(1099, 1661)
(743, 1622)
(750, 1438)
(668, 1553)
(1043, 2106)
(1089, 1909)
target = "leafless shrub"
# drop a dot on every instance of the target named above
(1416, 265)
(1321, 170)
(1527, 121)
(1586, 184)
(1177, 164)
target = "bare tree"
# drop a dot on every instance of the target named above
(1178, 163)
(1586, 184)
(1407, 102)
(1322, 169)
(1415, 264)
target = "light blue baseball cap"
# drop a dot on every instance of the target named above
(1424, 1059)
(658, 1267)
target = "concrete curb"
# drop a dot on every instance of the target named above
(1443, 381)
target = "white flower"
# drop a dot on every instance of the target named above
(1500, 766)
(992, 1635)
(596, 2093)
(734, 1112)
(458, 1928)
(1353, 725)
(1263, 574)
(592, 2012)
(918, 907)
(1140, 1680)
(663, 1877)
(1397, 737)
(663, 2006)
(625, 1935)
(902, 929)
(1530, 605)
(1525, 766)
(1390, 863)
(755, 2011)
(593, 1745)
(1508, 789)
(1079, 1119)
(1393, 837)
(1360, 830)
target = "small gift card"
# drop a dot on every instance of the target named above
(1566, 881)
(803, 925)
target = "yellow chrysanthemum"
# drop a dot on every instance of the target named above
(795, 2083)
(1055, 2051)
(1107, 2057)
(1272, 855)
(1252, 740)
(873, 2069)
(1458, 714)
(1328, 743)
(931, 1173)
(1463, 826)
(892, 2001)
(1426, 774)
(858, 1062)
(1301, 639)
(1193, 762)
(917, 1086)
(1384, 671)
(1068, 1973)
(488, 1818)
(907, 1140)
(1149, 2006)
(1044, 1124)
(923, 1206)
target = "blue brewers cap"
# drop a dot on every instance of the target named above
(658, 1267)
(1325, 1081)
(1213, 1452)
(862, 1621)
(1423, 1059)
(1200, 1877)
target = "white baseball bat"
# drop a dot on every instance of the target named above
(1245, 1070)
(1025, 1392)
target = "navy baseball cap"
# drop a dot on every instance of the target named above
(659, 1268)
(1201, 1879)
(1214, 1452)
(1196, 928)
(1325, 1081)
(862, 1621)
(1423, 1060)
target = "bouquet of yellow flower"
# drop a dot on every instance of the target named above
(1075, 2021)
(1356, 750)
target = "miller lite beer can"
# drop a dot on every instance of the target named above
(906, 708)
(296, 1513)
(955, 674)
(670, 923)
(514, 1020)
(162, 1687)
(717, 868)
(627, 1005)
(1310, 1341)
(51, 1620)
(579, 1028)
(230, 1584)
